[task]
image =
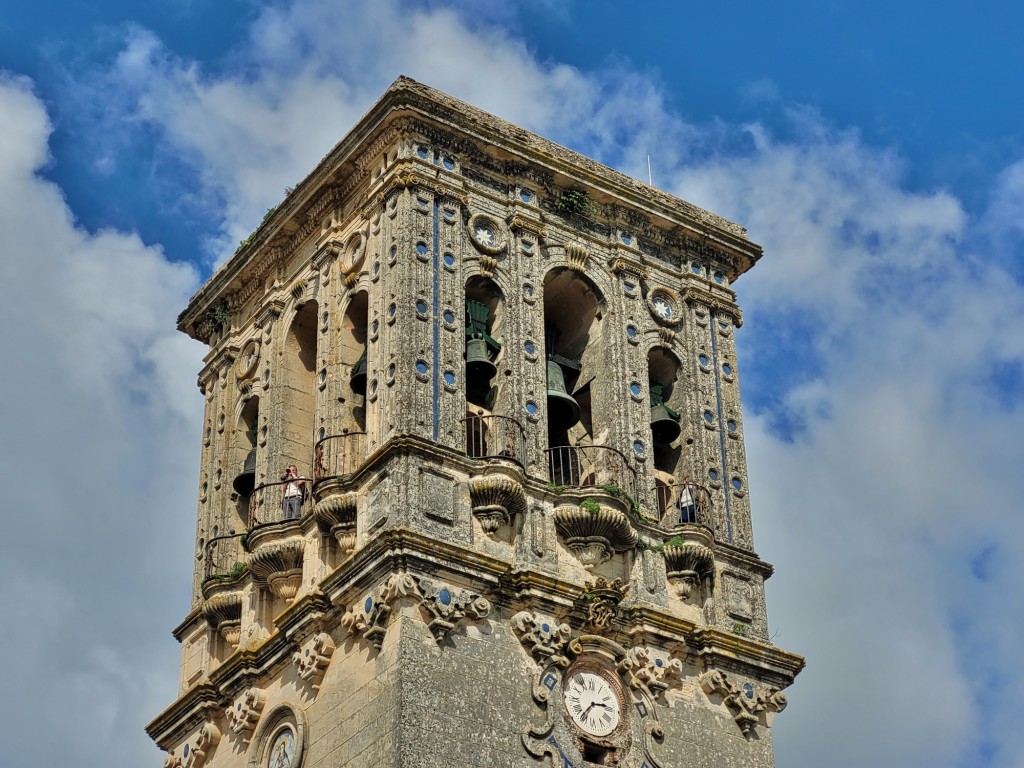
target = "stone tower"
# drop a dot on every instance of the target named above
(519, 531)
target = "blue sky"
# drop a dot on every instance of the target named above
(873, 149)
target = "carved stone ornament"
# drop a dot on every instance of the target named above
(746, 702)
(649, 672)
(171, 761)
(244, 714)
(337, 515)
(223, 611)
(312, 659)
(576, 256)
(690, 564)
(277, 561)
(195, 754)
(601, 599)
(496, 500)
(544, 637)
(593, 536)
(487, 234)
(442, 605)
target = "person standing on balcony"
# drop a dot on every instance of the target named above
(294, 490)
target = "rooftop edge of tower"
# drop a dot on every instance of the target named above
(679, 222)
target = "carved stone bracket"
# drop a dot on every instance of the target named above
(312, 658)
(337, 515)
(443, 607)
(649, 672)
(690, 563)
(544, 637)
(242, 717)
(195, 754)
(746, 701)
(496, 500)
(601, 600)
(594, 535)
(223, 610)
(278, 563)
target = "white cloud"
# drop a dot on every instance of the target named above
(100, 418)
(890, 512)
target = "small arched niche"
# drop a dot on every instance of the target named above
(573, 309)
(298, 397)
(244, 450)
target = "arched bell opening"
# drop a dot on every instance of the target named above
(353, 359)
(573, 309)
(244, 447)
(298, 398)
(665, 399)
(484, 318)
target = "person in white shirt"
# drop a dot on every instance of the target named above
(294, 490)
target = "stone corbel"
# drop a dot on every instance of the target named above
(242, 717)
(745, 701)
(601, 600)
(266, 316)
(369, 619)
(496, 500)
(337, 516)
(312, 659)
(594, 533)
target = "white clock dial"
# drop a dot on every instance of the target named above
(485, 234)
(592, 704)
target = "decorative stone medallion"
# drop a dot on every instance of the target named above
(664, 305)
(486, 234)
(248, 360)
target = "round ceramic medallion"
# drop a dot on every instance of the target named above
(282, 752)
(664, 305)
(486, 234)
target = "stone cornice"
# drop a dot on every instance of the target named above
(187, 713)
(724, 650)
(470, 129)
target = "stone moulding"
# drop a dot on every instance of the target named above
(593, 536)
(689, 559)
(277, 562)
(336, 515)
(745, 701)
(496, 500)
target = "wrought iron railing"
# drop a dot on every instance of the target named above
(685, 503)
(338, 455)
(495, 437)
(587, 466)
(223, 556)
(274, 502)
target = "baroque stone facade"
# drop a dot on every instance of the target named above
(520, 532)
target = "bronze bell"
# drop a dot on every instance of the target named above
(479, 367)
(358, 380)
(664, 427)
(563, 410)
(245, 480)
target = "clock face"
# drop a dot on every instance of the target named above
(592, 703)
(485, 234)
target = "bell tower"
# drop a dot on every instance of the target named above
(473, 485)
